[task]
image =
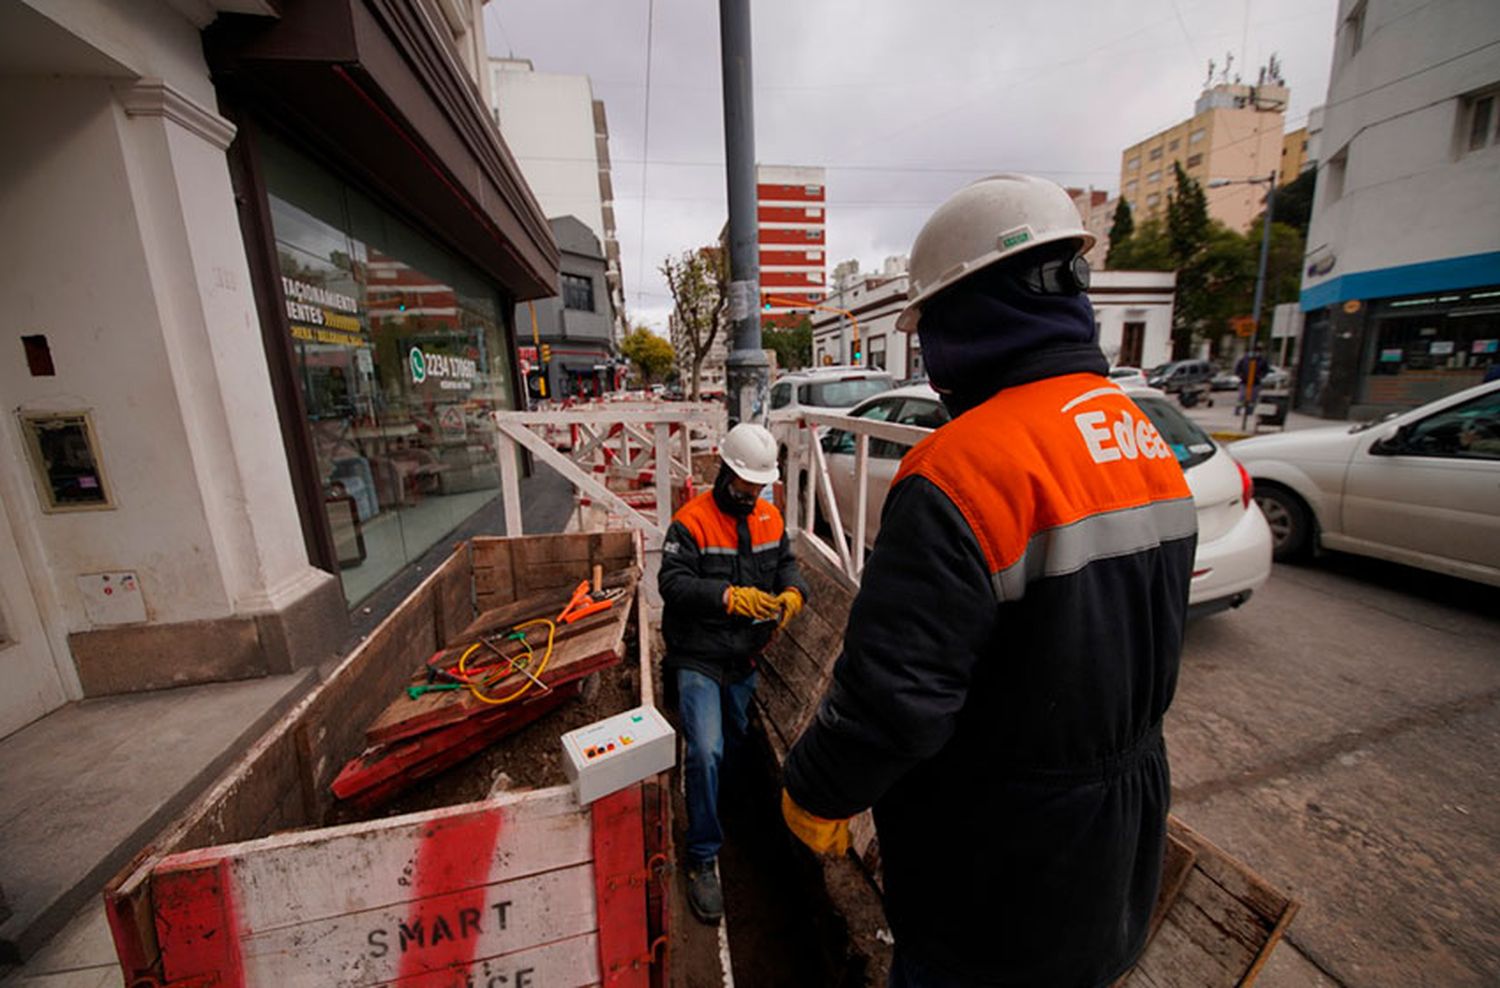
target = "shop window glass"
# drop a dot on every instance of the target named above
(401, 353)
(1427, 347)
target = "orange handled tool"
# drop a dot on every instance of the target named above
(583, 604)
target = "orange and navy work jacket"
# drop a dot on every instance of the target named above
(1008, 659)
(706, 551)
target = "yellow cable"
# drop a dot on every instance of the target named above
(526, 684)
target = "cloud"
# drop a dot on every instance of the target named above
(902, 102)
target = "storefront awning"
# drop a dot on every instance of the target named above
(367, 84)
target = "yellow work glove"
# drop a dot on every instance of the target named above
(823, 836)
(790, 601)
(753, 603)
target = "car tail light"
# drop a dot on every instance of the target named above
(1247, 491)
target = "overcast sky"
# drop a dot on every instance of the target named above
(901, 101)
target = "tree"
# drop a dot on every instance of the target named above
(1294, 202)
(650, 355)
(1120, 232)
(793, 344)
(1146, 249)
(698, 280)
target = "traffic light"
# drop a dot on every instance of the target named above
(546, 352)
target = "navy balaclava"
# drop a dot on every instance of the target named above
(729, 500)
(972, 331)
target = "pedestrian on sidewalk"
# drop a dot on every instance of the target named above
(1015, 639)
(1251, 368)
(728, 580)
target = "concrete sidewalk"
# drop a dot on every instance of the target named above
(1222, 421)
(85, 788)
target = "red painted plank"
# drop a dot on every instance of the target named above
(385, 761)
(196, 927)
(620, 869)
(453, 854)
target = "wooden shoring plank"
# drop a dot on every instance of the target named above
(621, 873)
(196, 924)
(453, 594)
(510, 928)
(396, 860)
(332, 730)
(494, 572)
(414, 758)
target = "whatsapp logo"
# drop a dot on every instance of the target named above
(418, 365)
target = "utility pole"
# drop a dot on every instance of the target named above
(747, 373)
(1260, 292)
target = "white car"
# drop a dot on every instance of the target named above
(1234, 544)
(1128, 377)
(824, 389)
(1420, 488)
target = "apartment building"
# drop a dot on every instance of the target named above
(1401, 283)
(1235, 132)
(791, 215)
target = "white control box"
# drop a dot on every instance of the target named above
(610, 754)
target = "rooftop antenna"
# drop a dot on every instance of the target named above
(1228, 63)
(1210, 80)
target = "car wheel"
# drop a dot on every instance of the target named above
(1289, 520)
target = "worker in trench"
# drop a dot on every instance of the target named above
(1016, 636)
(728, 581)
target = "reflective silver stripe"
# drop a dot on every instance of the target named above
(1069, 548)
(718, 550)
(766, 546)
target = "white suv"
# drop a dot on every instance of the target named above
(823, 389)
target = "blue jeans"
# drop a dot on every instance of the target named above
(711, 716)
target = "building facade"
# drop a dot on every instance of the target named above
(1235, 132)
(1401, 283)
(791, 216)
(874, 301)
(261, 260)
(1097, 210)
(576, 325)
(559, 134)
(1133, 310)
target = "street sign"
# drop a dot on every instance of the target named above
(1243, 326)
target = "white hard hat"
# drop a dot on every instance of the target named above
(750, 451)
(992, 219)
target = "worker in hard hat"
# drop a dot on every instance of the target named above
(1016, 636)
(728, 581)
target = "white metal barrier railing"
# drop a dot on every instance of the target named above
(809, 483)
(619, 440)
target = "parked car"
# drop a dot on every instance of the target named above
(1420, 488)
(1173, 377)
(1225, 381)
(1128, 377)
(1234, 544)
(824, 389)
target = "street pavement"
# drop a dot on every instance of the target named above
(1338, 734)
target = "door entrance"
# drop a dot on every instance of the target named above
(1132, 341)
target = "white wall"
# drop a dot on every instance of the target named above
(1407, 196)
(1134, 296)
(547, 121)
(123, 248)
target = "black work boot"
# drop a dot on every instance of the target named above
(705, 896)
